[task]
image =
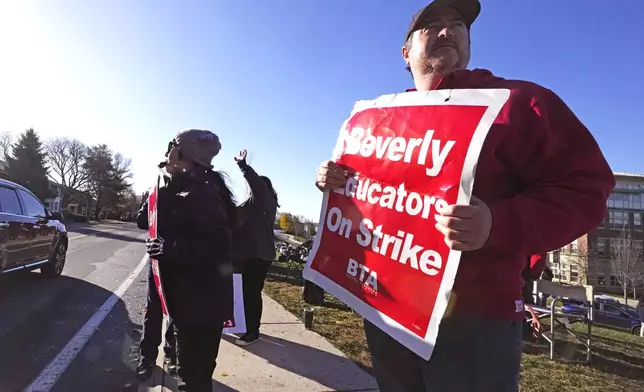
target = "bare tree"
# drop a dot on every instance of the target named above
(583, 259)
(6, 141)
(66, 158)
(627, 261)
(638, 273)
(122, 167)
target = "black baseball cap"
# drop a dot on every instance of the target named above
(469, 10)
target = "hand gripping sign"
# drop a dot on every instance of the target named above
(152, 227)
(377, 248)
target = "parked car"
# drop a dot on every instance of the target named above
(607, 313)
(606, 298)
(30, 236)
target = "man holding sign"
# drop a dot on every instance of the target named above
(438, 196)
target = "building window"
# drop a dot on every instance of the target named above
(600, 280)
(632, 187)
(617, 219)
(614, 281)
(634, 201)
(600, 246)
(637, 221)
(638, 246)
(574, 273)
(574, 246)
(556, 256)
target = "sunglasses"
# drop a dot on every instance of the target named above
(171, 145)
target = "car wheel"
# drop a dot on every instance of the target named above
(57, 262)
(637, 330)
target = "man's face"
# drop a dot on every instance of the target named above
(441, 44)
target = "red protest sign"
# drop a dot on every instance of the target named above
(152, 226)
(377, 248)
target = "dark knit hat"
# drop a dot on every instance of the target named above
(198, 145)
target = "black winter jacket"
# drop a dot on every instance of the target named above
(196, 267)
(254, 236)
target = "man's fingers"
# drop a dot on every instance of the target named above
(328, 176)
(457, 240)
(456, 245)
(332, 175)
(458, 211)
(328, 183)
(475, 201)
(452, 222)
(454, 235)
(336, 167)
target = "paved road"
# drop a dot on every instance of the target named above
(40, 318)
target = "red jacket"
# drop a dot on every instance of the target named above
(546, 182)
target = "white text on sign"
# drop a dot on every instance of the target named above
(366, 277)
(391, 197)
(399, 247)
(359, 141)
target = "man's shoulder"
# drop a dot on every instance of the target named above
(521, 88)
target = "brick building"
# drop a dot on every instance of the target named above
(589, 259)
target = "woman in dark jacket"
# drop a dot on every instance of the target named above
(254, 245)
(195, 215)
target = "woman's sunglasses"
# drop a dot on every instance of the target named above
(171, 146)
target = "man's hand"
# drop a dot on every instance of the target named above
(332, 176)
(241, 158)
(465, 227)
(154, 247)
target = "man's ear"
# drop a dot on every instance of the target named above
(405, 54)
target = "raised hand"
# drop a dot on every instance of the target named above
(241, 157)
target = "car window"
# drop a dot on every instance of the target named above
(612, 310)
(629, 310)
(633, 313)
(9, 202)
(33, 207)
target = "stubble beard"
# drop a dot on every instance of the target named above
(438, 65)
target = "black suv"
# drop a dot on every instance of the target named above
(30, 236)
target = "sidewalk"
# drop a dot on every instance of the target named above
(287, 358)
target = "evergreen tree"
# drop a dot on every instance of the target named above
(107, 176)
(26, 165)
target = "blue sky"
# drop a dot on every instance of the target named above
(279, 77)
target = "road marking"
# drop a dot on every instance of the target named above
(48, 377)
(87, 235)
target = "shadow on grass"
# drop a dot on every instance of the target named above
(611, 341)
(609, 361)
(280, 273)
